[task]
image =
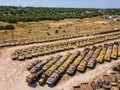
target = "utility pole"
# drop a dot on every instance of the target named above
(12, 35)
(76, 28)
(2, 36)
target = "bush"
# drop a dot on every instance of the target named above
(48, 33)
(7, 27)
(64, 31)
(56, 31)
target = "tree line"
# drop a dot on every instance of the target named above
(14, 14)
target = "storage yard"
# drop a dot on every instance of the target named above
(77, 61)
(49, 69)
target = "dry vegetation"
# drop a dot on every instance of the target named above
(28, 30)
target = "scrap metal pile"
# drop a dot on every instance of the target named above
(110, 81)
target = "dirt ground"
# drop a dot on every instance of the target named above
(13, 73)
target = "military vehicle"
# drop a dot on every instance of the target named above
(37, 72)
(76, 62)
(108, 52)
(114, 53)
(100, 57)
(48, 65)
(36, 67)
(91, 62)
(65, 65)
(21, 56)
(49, 69)
(32, 77)
(63, 59)
(83, 63)
(15, 55)
(32, 64)
(53, 78)
(41, 64)
(28, 55)
(119, 48)
(34, 53)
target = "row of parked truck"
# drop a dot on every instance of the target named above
(109, 81)
(53, 68)
(52, 48)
